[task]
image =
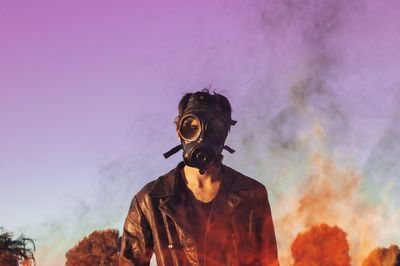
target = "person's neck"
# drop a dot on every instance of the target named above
(194, 178)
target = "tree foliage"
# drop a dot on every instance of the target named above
(383, 257)
(320, 246)
(14, 252)
(100, 248)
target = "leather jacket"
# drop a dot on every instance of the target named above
(241, 230)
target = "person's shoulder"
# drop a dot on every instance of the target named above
(159, 186)
(146, 188)
(243, 182)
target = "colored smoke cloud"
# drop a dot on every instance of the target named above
(310, 127)
(329, 195)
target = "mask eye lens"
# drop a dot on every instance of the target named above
(190, 128)
(217, 130)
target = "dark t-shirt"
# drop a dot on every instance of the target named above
(198, 213)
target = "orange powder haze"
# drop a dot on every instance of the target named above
(329, 195)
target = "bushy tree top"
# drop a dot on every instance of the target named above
(321, 245)
(13, 252)
(100, 248)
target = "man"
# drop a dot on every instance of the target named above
(202, 212)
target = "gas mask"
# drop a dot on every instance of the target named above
(203, 130)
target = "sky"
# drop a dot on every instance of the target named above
(89, 92)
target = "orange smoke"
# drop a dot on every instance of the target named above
(383, 257)
(329, 194)
(321, 245)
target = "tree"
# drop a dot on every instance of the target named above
(14, 252)
(383, 257)
(320, 246)
(100, 248)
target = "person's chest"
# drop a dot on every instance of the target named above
(204, 193)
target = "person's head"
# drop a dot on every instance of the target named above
(205, 99)
(203, 122)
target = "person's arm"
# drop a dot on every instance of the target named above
(137, 240)
(269, 250)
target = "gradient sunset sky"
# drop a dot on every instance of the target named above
(89, 92)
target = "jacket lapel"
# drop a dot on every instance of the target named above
(173, 208)
(227, 199)
(172, 204)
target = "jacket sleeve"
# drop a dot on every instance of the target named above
(137, 240)
(269, 251)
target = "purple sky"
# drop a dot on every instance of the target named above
(89, 89)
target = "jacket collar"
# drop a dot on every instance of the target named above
(167, 185)
(228, 198)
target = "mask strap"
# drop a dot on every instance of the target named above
(172, 151)
(229, 149)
